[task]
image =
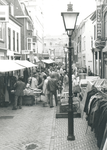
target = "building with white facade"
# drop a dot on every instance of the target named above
(55, 47)
(35, 9)
(82, 41)
(10, 33)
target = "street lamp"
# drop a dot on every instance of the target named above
(69, 19)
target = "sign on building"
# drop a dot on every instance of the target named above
(25, 51)
(98, 14)
(4, 13)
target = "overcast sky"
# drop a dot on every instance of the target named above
(52, 13)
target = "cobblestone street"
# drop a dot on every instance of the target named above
(38, 125)
(31, 124)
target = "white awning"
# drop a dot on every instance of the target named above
(9, 65)
(25, 63)
(48, 61)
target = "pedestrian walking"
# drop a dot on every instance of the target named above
(45, 91)
(19, 86)
(52, 88)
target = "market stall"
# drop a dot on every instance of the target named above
(48, 62)
(95, 108)
(9, 65)
(31, 95)
(29, 68)
(9, 72)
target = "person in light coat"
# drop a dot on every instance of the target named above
(45, 91)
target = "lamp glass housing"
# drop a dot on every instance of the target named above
(69, 19)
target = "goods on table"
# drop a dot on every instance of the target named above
(28, 100)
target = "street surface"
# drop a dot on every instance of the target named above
(37, 126)
(31, 124)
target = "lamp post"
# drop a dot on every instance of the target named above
(69, 19)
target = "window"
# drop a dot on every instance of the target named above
(34, 47)
(80, 43)
(13, 40)
(84, 43)
(94, 32)
(17, 42)
(91, 42)
(29, 42)
(11, 9)
(105, 25)
(9, 38)
(1, 31)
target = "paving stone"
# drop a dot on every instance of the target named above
(37, 124)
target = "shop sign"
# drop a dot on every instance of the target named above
(25, 52)
(98, 14)
(10, 53)
(99, 44)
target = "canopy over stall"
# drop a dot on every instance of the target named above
(25, 63)
(48, 61)
(9, 65)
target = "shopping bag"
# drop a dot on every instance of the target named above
(43, 98)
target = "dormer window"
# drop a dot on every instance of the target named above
(12, 9)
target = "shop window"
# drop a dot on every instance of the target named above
(9, 38)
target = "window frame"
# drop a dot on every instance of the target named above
(1, 37)
(13, 40)
(9, 38)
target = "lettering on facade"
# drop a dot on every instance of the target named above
(98, 14)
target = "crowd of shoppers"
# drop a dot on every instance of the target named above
(51, 81)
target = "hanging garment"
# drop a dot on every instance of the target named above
(12, 82)
(2, 97)
(89, 94)
(1, 82)
(6, 94)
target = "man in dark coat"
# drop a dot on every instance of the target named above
(19, 87)
(52, 87)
